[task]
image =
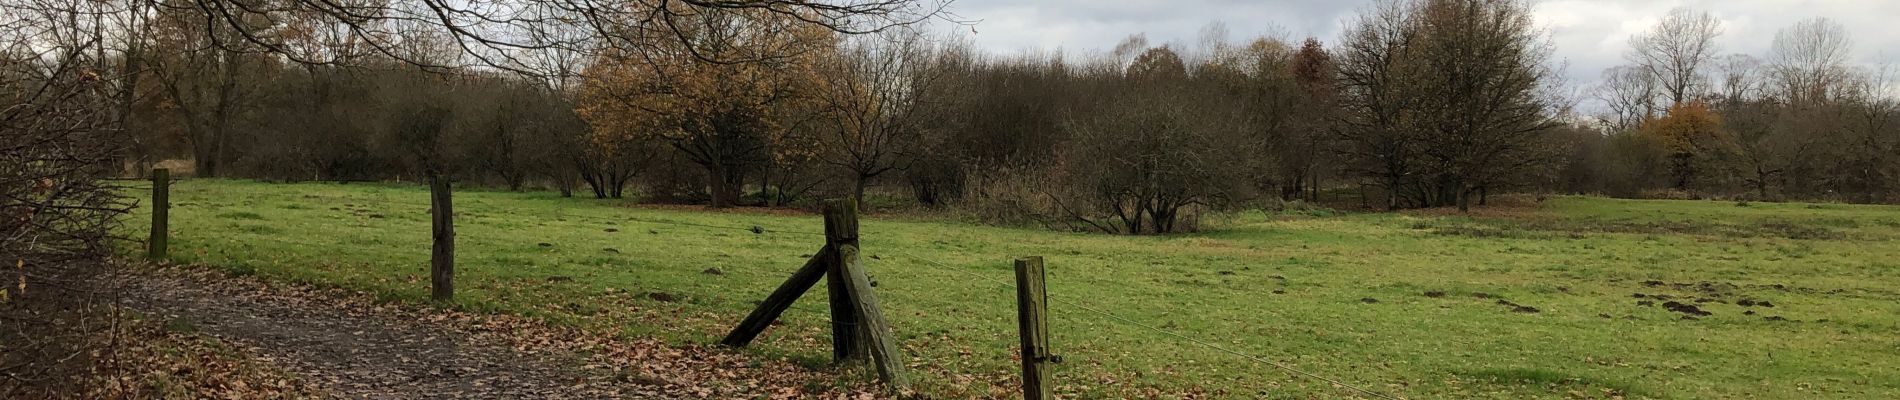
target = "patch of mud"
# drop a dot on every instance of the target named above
(1520, 308)
(1687, 309)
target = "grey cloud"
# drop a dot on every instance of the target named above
(1589, 35)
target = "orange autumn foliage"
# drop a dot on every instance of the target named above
(732, 76)
(1690, 129)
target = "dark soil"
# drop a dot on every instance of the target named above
(1518, 307)
(1689, 309)
(1705, 293)
(663, 297)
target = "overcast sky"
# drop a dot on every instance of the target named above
(1590, 35)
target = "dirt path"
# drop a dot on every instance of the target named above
(359, 353)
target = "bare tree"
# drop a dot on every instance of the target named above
(1455, 91)
(1629, 95)
(1740, 78)
(1306, 158)
(1371, 72)
(1809, 61)
(125, 27)
(1766, 150)
(1154, 149)
(59, 134)
(875, 100)
(507, 35)
(1260, 77)
(1676, 52)
(1483, 106)
(1873, 134)
(209, 86)
(501, 130)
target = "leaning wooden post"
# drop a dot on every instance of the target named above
(1031, 312)
(841, 229)
(780, 299)
(155, 249)
(442, 256)
(874, 328)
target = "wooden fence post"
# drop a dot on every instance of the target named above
(858, 328)
(442, 230)
(841, 229)
(155, 247)
(1031, 312)
(875, 329)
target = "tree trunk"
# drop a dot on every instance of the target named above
(1292, 190)
(594, 182)
(925, 192)
(1684, 170)
(1392, 193)
(221, 114)
(727, 182)
(857, 189)
(1463, 199)
(203, 166)
(1162, 218)
(1314, 189)
(1761, 184)
(564, 182)
(619, 185)
(204, 147)
(442, 257)
(767, 195)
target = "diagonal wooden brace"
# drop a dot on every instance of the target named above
(780, 299)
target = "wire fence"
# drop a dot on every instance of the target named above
(1011, 286)
(465, 206)
(1131, 322)
(1007, 286)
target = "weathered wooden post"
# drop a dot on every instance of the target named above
(442, 230)
(1031, 312)
(858, 328)
(874, 328)
(841, 229)
(155, 247)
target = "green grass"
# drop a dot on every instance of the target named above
(1286, 287)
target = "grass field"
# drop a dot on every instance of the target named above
(1571, 297)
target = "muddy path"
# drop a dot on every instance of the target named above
(359, 353)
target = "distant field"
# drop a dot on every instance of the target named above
(1574, 297)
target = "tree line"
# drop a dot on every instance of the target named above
(1419, 103)
(1800, 122)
